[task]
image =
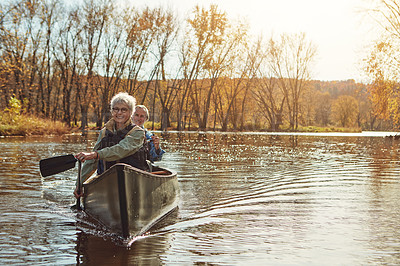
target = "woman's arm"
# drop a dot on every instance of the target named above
(127, 146)
(89, 165)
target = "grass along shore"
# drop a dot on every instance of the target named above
(27, 125)
(15, 122)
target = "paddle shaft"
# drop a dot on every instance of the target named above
(78, 200)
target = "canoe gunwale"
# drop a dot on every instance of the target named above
(124, 166)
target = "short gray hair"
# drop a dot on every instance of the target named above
(123, 97)
(144, 108)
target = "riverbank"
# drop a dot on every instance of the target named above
(26, 125)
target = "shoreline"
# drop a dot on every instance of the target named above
(386, 134)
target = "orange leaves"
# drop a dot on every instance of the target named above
(209, 25)
(383, 63)
(383, 69)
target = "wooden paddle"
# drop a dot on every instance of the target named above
(78, 200)
(58, 164)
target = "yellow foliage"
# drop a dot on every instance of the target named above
(12, 122)
(345, 111)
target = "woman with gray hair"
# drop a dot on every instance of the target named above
(120, 140)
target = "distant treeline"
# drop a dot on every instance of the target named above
(65, 61)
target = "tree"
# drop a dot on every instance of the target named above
(113, 63)
(49, 17)
(383, 67)
(140, 34)
(345, 111)
(290, 60)
(308, 102)
(254, 60)
(383, 63)
(166, 34)
(201, 52)
(267, 92)
(95, 15)
(20, 37)
(222, 63)
(270, 101)
(68, 63)
(239, 66)
(322, 107)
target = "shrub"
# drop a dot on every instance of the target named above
(13, 123)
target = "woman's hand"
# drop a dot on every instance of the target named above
(76, 193)
(83, 156)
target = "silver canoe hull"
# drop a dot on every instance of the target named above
(129, 201)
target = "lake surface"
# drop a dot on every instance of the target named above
(245, 199)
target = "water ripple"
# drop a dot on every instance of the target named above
(244, 199)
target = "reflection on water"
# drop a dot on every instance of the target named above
(245, 198)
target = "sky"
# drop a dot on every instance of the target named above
(340, 29)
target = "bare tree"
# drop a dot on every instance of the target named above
(95, 15)
(206, 32)
(49, 16)
(243, 77)
(266, 91)
(290, 60)
(67, 60)
(167, 33)
(140, 35)
(225, 57)
(113, 63)
(270, 101)
(323, 107)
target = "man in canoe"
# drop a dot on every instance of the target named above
(119, 141)
(140, 116)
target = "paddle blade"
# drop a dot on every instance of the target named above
(58, 164)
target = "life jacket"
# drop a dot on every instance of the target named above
(138, 159)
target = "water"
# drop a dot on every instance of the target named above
(245, 198)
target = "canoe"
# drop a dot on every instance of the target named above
(129, 201)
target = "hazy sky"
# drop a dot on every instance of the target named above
(337, 27)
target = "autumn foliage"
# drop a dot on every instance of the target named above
(204, 71)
